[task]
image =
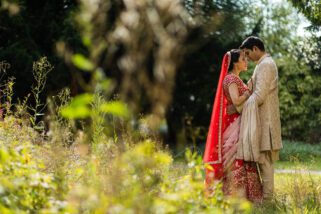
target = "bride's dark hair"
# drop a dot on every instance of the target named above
(234, 57)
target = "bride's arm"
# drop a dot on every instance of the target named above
(234, 93)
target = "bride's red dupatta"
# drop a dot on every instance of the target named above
(213, 151)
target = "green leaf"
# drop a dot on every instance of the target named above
(86, 41)
(78, 108)
(106, 84)
(79, 112)
(83, 99)
(81, 62)
(115, 108)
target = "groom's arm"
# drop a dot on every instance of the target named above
(264, 77)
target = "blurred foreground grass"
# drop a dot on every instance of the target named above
(41, 176)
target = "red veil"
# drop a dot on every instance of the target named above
(213, 150)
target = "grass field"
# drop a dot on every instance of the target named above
(313, 163)
(294, 193)
(296, 155)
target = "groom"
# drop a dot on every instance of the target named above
(265, 92)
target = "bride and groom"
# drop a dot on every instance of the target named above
(244, 136)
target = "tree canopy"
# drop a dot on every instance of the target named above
(30, 30)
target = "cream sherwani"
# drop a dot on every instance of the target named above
(265, 90)
(260, 132)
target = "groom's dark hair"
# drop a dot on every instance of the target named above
(252, 41)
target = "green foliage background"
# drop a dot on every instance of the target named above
(38, 27)
(33, 32)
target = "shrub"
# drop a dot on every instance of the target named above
(23, 185)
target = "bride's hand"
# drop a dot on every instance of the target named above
(231, 109)
(250, 84)
(247, 94)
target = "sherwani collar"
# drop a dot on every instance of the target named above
(262, 58)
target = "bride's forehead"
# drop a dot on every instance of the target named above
(242, 53)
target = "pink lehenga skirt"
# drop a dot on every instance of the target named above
(240, 178)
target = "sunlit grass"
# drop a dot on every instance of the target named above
(313, 163)
(300, 190)
(294, 193)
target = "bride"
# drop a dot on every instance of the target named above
(239, 177)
